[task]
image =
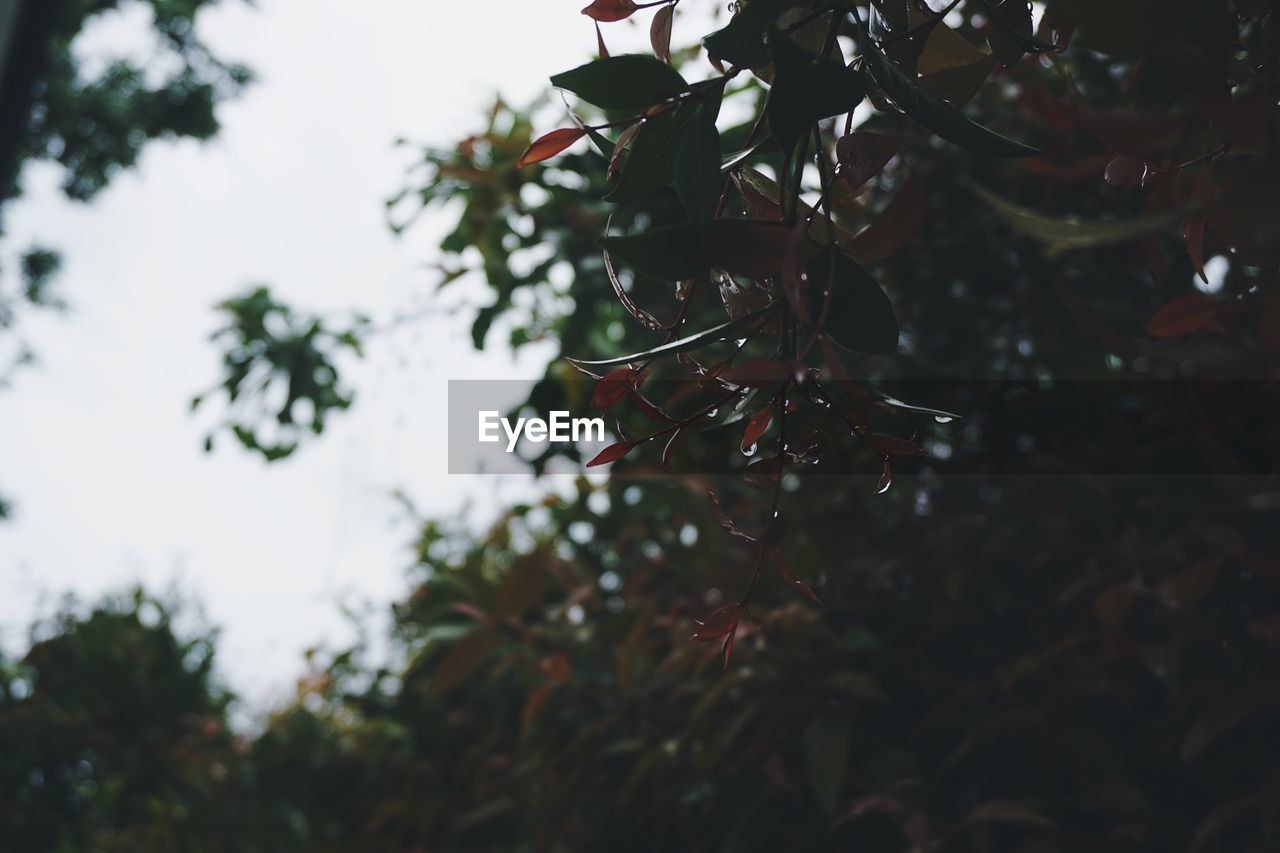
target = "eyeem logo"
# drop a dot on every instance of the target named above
(561, 427)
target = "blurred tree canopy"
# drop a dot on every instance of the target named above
(1055, 630)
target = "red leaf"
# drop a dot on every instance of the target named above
(612, 453)
(1184, 315)
(756, 426)
(608, 11)
(783, 572)
(550, 145)
(723, 621)
(624, 139)
(647, 408)
(862, 155)
(896, 224)
(660, 32)
(1126, 171)
(612, 387)
(723, 520)
(666, 451)
(886, 478)
(727, 648)
(755, 372)
(600, 47)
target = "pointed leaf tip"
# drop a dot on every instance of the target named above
(549, 145)
(608, 11)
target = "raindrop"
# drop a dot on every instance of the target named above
(943, 419)
(749, 451)
(886, 478)
(713, 413)
(741, 341)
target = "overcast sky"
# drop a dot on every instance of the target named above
(97, 447)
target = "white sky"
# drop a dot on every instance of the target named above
(97, 447)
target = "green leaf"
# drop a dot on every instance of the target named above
(631, 82)
(650, 164)
(826, 749)
(933, 112)
(672, 252)
(741, 41)
(806, 88)
(861, 317)
(698, 178)
(725, 331)
(1071, 233)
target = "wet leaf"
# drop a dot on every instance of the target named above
(550, 145)
(891, 445)
(886, 478)
(863, 154)
(612, 387)
(1184, 315)
(673, 252)
(756, 427)
(1009, 29)
(754, 373)
(733, 328)
(751, 247)
(718, 513)
(630, 82)
(718, 624)
(958, 85)
(612, 453)
(785, 573)
(741, 41)
(807, 88)
(697, 168)
(1126, 171)
(860, 317)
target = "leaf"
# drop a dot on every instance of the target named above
(826, 748)
(622, 146)
(1193, 230)
(522, 586)
(1009, 29)
(958, 85)
(608, 11)
(718, 624)
(901, 219)
(673, 252)
(1072, 233)
(660, 32)
(612, 453)
(669, 449)
(785, 573)
(750, 247)
(648, 320)
(863, 154)
(1006, 811)
(944, 48)
(1184, 315)
(807, 88)
(891, 445)
(601, 50)
(1011, 22)
(630, 82)
(755, 373)
(549, 145)
(861, 317)
(463, 659)
(756, 426)
(718, 513)
(724, 331)
(741, 41)
(697, 168)
(651, 163)
(1126, 171)
(934, 113)
(1226, 713)
(612, 387)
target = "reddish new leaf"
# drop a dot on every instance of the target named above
(783, 572)
(545, 147)
(612, 453)
(886, 478)
(896, 224)
(1184, 315)
(624, 139)
(752, 247)
(1126, 171)
(608, 11)
(660, 32)
(724, 621)
(756, 426)
(600, 45)
(612, 387)
(862, 155)
(723, 520)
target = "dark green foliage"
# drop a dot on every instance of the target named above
(280, 366)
